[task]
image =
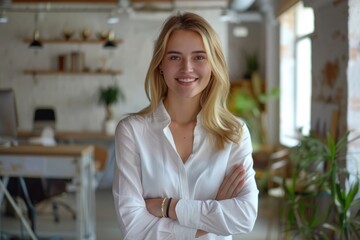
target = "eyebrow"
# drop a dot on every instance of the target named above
(194, 52)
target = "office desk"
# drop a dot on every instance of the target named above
(63, 161)
(71, 136)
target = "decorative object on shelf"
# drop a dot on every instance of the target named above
(86, 34)
(110, 43)
(36, 42)
(72, 41)
(72, 62)
(103, 61)
(77, 61)
(68, 33)
(57, 72)
(62, 62)
(108, 97)
(103, 35)
(65, 61)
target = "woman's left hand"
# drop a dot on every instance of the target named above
(152, 205)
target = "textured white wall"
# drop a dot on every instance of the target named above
(76, 97)
(330, 59)
(354, 86)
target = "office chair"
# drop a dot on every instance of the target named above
(45, 117)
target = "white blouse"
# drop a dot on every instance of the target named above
(148, 166)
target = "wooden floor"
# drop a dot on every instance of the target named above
(106, 223)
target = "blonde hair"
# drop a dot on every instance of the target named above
(216, 118)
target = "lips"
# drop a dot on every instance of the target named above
(186, 80)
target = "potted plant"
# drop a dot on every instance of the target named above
(109, 96)
(319, 205)
(252, 65)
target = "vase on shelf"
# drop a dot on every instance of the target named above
(109, 96)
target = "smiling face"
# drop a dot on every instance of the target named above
(185, 66)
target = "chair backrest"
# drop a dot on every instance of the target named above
(100, 158)
(8, 114)
(44, 117)
(279, 164)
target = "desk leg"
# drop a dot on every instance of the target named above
(18, 211)
(29, 205)
(90, 196)
(5, 182)
(86, 201)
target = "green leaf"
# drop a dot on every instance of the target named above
(110, 95)
(351, 194)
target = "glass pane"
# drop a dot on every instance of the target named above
(304, 20)
(287, 78)
(303, 84)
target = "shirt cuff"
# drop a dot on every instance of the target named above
(188, 213)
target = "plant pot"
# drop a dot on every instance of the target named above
(110, 126)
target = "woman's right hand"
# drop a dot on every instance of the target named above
(232, 183)
(229, 188)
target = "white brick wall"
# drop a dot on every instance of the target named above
(76, 97)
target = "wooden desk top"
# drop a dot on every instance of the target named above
(58, 150)
(71, 135)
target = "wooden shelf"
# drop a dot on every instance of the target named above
(55, 72)
(72, 41)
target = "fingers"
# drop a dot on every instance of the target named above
(236, 181)
(239, 186)
(232, 183)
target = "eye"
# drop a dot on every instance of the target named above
(174, 57)
(200, 57)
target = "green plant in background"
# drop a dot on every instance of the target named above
(108, 96)
(252, 64)
(249, 98)
(251, 107)
(318, 204)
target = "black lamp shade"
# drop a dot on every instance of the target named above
(36, 43)
(110, 42)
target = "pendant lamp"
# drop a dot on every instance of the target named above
(110, 42)
(36, 43)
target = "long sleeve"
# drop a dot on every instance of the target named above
(148, 166)
(134, 220)
(227, 217)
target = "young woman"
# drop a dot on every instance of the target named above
(184, 168)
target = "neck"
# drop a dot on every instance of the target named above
(182, 111)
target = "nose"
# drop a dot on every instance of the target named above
(187, 65)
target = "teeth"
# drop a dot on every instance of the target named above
(186, 79)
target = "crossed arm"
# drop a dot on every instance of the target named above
(232, 210)
(230, 187)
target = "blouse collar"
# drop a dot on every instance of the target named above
(161, 115)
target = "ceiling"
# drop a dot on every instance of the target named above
(137, 3)
(252, 13)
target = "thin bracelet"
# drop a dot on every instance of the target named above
(162, 207)
(168, 207)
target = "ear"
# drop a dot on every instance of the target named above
(160, 69)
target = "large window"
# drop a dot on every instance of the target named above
(296, 27)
